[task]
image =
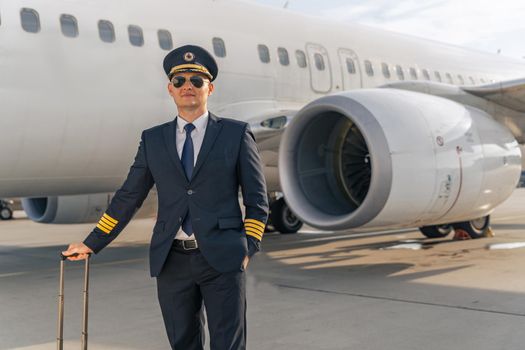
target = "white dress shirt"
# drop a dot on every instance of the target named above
(197, 136)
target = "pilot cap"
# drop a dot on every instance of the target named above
(190, 58)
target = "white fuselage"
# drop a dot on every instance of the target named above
(72, 109)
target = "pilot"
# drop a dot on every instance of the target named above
(201, 246)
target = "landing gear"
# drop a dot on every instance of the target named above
(437, 231)
(5, 212)
(282, 219)
(476, 228)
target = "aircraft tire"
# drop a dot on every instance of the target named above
(436, 231)
(283, 219)
(476, 228)
(6, 213)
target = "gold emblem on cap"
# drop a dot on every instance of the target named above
(189, 56)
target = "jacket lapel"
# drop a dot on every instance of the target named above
(170, 132)
(212, 131)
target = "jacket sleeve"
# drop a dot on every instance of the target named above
(254, 193)
(124, 203)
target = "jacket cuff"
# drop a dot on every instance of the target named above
(253, 246)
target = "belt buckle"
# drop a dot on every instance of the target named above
(193, 244)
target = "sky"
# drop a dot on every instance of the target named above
(478, 24)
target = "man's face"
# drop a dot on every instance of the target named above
(188, 96)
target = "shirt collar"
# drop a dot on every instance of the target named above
(200, 123)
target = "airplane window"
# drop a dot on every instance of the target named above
(69, 26)
(386, 70)
(413, 73)
(165, 41)
(106, 31)
(301, 58)
(449, 78)
(319, 61)
(283, 56)
(426, 75)
(438, 76)
(136, 38)
(350, 65)
(218, 47)
(461, 80)
(472, 80)
(399, 72)
(368, 68)
(30, 20)
(264, 53)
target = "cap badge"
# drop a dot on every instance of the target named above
(189, 56)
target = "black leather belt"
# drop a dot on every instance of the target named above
(186, 244)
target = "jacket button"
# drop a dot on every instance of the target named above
(180, 218)
(190, 192)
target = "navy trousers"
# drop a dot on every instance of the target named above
(184, 284)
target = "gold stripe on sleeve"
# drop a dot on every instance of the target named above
(256, 222)
(254, 233)
(249, 233)
(107, 222)
(106, 216)
(103, 228)
(255, 227)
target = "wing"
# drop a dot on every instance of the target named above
(510, 93)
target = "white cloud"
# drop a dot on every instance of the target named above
(479, 24)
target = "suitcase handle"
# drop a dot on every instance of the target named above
(60, 327)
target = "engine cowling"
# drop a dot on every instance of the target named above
(392, 158)
(78, 208)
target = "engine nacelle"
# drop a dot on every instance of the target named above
(77, 209)
(392, 158)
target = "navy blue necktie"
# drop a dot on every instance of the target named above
(187, 163)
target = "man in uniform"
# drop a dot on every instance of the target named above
(200, 246)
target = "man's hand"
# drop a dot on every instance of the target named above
(77, 248)
(245, 262)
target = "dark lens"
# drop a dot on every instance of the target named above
(178, 81)
(197, 81)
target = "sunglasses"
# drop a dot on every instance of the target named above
(195, 80)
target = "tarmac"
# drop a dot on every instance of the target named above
(311, 290)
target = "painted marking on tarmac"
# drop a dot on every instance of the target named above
(78, 267)
(514, 245)
(354, 235)
(407, 301)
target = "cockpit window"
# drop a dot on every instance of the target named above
(69, 26)
(30, 20)
(106, 31)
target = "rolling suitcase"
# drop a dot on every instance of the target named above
(84, 336)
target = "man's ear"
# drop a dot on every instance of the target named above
(211, 87)
(170, 89)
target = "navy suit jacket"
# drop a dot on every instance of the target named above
(228, 158)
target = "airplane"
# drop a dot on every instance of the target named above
(357, 127)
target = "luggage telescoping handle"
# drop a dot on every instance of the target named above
(60, 331)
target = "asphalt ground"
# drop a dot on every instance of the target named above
(312, 290)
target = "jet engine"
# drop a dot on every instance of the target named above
(78, 208)
(392, 158)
